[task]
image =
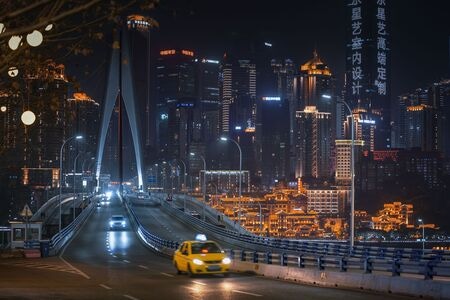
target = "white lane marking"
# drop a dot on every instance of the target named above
(65, 247)
(130, 297)
(73, 268)
(143, 267)
(198, 282)
(246, 293)
(105, 287)
(168, 275)
(126, 261)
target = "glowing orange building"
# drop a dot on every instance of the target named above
(313, 82)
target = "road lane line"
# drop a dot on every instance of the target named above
(168, 275)
(105, 287)
(130, 297)
(143, 267)
(73, 268)
(126, 261)
(70, 241)
(246, 293)
(198, 282)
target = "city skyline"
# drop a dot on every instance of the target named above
(187, 99)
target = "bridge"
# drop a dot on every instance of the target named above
(87, 260)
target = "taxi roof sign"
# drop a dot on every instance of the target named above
(200, 237)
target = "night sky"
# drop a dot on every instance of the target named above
(419, 33)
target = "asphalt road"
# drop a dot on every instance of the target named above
(104, 264)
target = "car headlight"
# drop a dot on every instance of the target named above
(197, 262)
(123, 223)
(111, 223)
(226, 261)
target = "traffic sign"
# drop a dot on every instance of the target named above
(26, 211)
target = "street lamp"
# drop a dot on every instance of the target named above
(77, 137)
(184, 173)
(423, 236)
(352, 170)
(74, 171)
(171, 175)
(84, 162)
(204, 181)
(240, 174)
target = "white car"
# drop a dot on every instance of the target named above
(117, 222)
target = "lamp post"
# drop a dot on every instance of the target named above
(184, 173)
(204, 181)
(84, 162)
(74, 172)
(90, 159)
(352, 173)
(184, 183)
(240, 175)
(423, 236)
(78, 137)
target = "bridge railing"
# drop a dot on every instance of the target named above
(333, 247)
(152, 241)
(59, 240)
(395, 267)
(319, 256)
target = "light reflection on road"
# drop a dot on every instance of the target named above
(118, 242)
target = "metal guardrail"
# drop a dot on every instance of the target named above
(59, 240)
(166, 247)
(428, 268)
(312, 254)
(332, 248)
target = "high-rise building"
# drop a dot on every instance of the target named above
(368, 63)
(440, 93)
(313, 82)
(175, 80)
(31, 153)
(272, 132)
(139, 38)
(84, 116)
(237, 86)
(285, 74)
(313, 146)
(209, 99)
(422, 118)
(313, 88)
(364, 126)
(343, 160)
(420, 121)
(238, 94)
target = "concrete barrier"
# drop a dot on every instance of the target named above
(349, 280)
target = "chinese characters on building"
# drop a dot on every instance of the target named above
(356, 45)
(380, 81)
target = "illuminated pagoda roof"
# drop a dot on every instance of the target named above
(315, 66)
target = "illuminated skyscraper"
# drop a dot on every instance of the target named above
(368, 63)
(312, 83)
(175, 80)
(139, 38)
(238, 94)
(207, 128)
(313, 94)
(272, 132)
(285, 72)
(84, 116)
(313, 147)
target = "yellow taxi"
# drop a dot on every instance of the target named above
(201, 257)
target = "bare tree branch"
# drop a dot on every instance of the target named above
(18, 12)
